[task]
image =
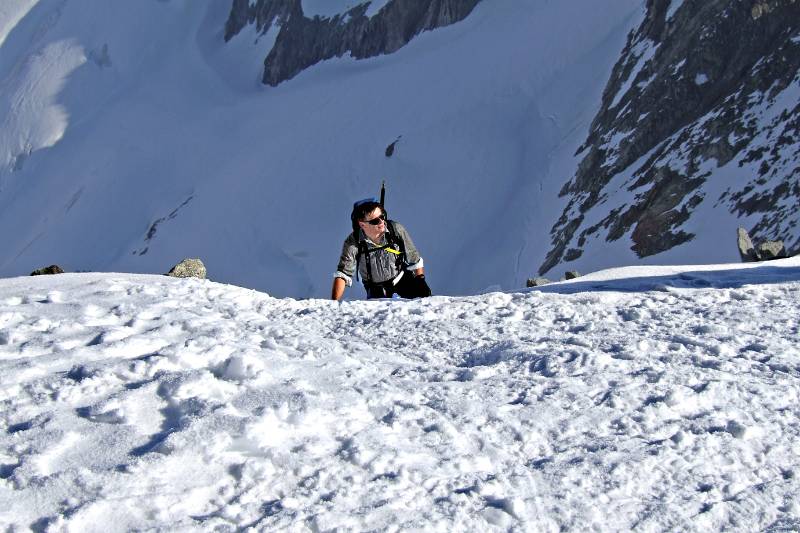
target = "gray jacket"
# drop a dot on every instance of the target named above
(382, 263)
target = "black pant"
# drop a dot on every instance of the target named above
(409, 286)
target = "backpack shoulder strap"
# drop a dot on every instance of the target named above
(395, 238)
(363, 249)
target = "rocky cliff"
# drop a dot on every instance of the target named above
(702, 109)
(303, 41)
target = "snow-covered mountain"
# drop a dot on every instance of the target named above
(134, 134)
(312, 31)
(699, 131)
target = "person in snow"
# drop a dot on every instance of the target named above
(382, 252)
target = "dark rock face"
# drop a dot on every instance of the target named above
(263, 14)
(390, 149)
(304, 41)
(702, 99)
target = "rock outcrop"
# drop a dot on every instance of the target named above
(537, 282)
(747, 251)
(765, 251)
(188, 268)
(52, 269)
(769, 250)
(304, 41)
(703, 99)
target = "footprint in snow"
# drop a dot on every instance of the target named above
(103, 414)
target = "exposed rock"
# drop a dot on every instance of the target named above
(699, 86)
(151, 232)
(537, 282)
(188, 268)
(101, 57)
(18, 161)
(52, 269)
(572, 274)
(391, 147)
(746, 248)
(304, 41)
(769, 250)
(263, 14)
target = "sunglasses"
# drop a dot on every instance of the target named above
(375, 221)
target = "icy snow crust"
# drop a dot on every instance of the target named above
(646, 398)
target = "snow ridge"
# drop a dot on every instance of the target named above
(144, 402)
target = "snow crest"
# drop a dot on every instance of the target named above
(640, 398)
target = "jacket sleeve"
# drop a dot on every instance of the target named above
(347, 261)
(412, 254)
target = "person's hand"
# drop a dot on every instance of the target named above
(422, 285)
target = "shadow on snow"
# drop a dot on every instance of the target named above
(708, 279)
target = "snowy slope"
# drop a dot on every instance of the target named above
(132, 136)
(331, 8)
(659, 398)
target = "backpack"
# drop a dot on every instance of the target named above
(394, 243)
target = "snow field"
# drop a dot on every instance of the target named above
(663, 401)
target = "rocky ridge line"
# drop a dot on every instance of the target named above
(303, 41)
(696, 88)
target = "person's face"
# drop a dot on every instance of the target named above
(374, 223)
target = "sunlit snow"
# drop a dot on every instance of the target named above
(643, 398)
